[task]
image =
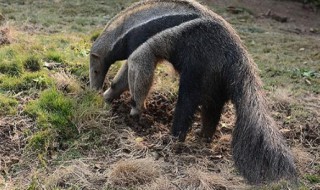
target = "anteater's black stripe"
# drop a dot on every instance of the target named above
(136, 36)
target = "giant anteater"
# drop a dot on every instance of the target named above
(214, 67)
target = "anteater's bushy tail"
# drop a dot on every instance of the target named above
(259, 150)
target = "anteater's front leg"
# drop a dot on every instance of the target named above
(188, 100)
(142, 64)
(119, 84)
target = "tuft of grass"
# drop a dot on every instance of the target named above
(7, 105)
(55, 57)
(42, 140)
(27, 81)
(32, 63)
(88, 108)
(314, 179)
(11, 68)
(59, 109)
(131, 172)
(66, 83)
(52, 111)
(75, 175)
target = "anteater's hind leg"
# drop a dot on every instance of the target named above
(210, 116)
(119, 84)
(142, 64)
(188, 100)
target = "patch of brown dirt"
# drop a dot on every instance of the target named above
(287, 16)
(5, 36)
(301, 128)
(151, 136)
(5, 31)
(12, 140)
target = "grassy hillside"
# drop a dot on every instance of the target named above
(56, 133)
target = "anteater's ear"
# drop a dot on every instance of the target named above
(95, 55)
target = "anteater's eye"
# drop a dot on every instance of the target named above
(95, 72)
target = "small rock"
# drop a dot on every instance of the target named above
(156, 155)
(51, 65)
(308, 82)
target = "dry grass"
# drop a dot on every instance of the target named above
(75, 175)
(133, 172)
(197, 179)
(161, 184)
(66, 82)
(282, 98)
(303, 158)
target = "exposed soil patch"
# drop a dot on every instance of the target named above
(288, 16)
(5, 33)
(5, 36)
(13, 140)
(153, 138)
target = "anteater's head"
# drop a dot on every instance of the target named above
(99, 67)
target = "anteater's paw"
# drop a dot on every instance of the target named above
(135, 113)
(201, 134)
(179, 136)
(109, 95)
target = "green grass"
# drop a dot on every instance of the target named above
(55, 56)
(289, 59)
(53, 112)
(11, 69)
(32, 63)
(8, 105)
(56, 16)
(10, 65)
(27, 81)
(314, 179)
(58, 115)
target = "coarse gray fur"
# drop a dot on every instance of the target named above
(136, 14)
(131, 40)
(214, 67)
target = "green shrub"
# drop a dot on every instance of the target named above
(32, 63)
